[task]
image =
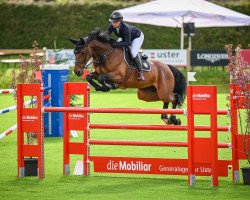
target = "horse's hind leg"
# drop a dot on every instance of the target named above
(164, 117)
(173, 119)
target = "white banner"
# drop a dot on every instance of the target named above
(65, 55)
(174, 57)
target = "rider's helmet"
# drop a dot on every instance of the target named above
(116, 16)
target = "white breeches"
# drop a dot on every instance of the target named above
(136, 45)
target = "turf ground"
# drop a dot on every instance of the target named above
(113, 186)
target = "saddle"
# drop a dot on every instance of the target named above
(131, 63)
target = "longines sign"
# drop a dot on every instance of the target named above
(209, 58)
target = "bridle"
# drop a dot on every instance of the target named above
(96, 61)
(79, 50)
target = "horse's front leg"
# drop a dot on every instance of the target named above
(94, 76)
(104, 79)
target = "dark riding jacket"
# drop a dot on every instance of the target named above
(127, 32)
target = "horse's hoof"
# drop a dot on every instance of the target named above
(173, 120)
(166, 121)
(98, 89)
(105, 89)
(114, 86)
(165, 118)
(178, 122)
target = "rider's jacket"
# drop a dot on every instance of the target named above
(125, 31)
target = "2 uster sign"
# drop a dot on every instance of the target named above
(174, 57)
(153, 166)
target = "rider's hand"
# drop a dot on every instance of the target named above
(115, 45)
(119, 40)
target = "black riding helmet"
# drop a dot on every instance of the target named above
(115, 16)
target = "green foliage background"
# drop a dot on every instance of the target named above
(49, 21)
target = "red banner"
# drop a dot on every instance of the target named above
(246, 55)
(154, 166)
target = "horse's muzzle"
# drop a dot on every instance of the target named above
(78, 71)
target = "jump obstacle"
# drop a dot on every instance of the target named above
(12, 108)
(202, 152)
(53, 78)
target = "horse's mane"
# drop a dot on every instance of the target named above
(101, 36)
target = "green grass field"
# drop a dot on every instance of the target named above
(113, 186)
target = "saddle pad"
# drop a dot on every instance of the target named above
(131, 63)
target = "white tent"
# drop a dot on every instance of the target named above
(173, 13)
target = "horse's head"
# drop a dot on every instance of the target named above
(82, 55)
(95, 44)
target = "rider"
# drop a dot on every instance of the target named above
(129, 36)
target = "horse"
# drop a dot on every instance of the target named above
(163, 82)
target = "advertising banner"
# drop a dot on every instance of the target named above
(154, 166)
(174, 57)
(209, 58)
(65, 56)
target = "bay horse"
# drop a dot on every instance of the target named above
(163, 83)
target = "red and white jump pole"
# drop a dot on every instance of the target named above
(7, 91)
(8, 131)
(12, 108)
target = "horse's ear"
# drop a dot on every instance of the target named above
(82, 41)
(73, 41)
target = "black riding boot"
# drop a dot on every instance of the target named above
(138, 64)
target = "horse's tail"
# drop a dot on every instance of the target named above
(182, 93)
(179, 86)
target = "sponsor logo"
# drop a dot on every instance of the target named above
(75, 116)
(29, 118)
(172, 57)
(184, 170)
(212, 57)
(204, 96)
(168, 54)
(201, 95)
(173, 169)
(129, 166)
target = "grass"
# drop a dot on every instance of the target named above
(112, 186)
(212, 76)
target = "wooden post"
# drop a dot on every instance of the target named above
(189, 67)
